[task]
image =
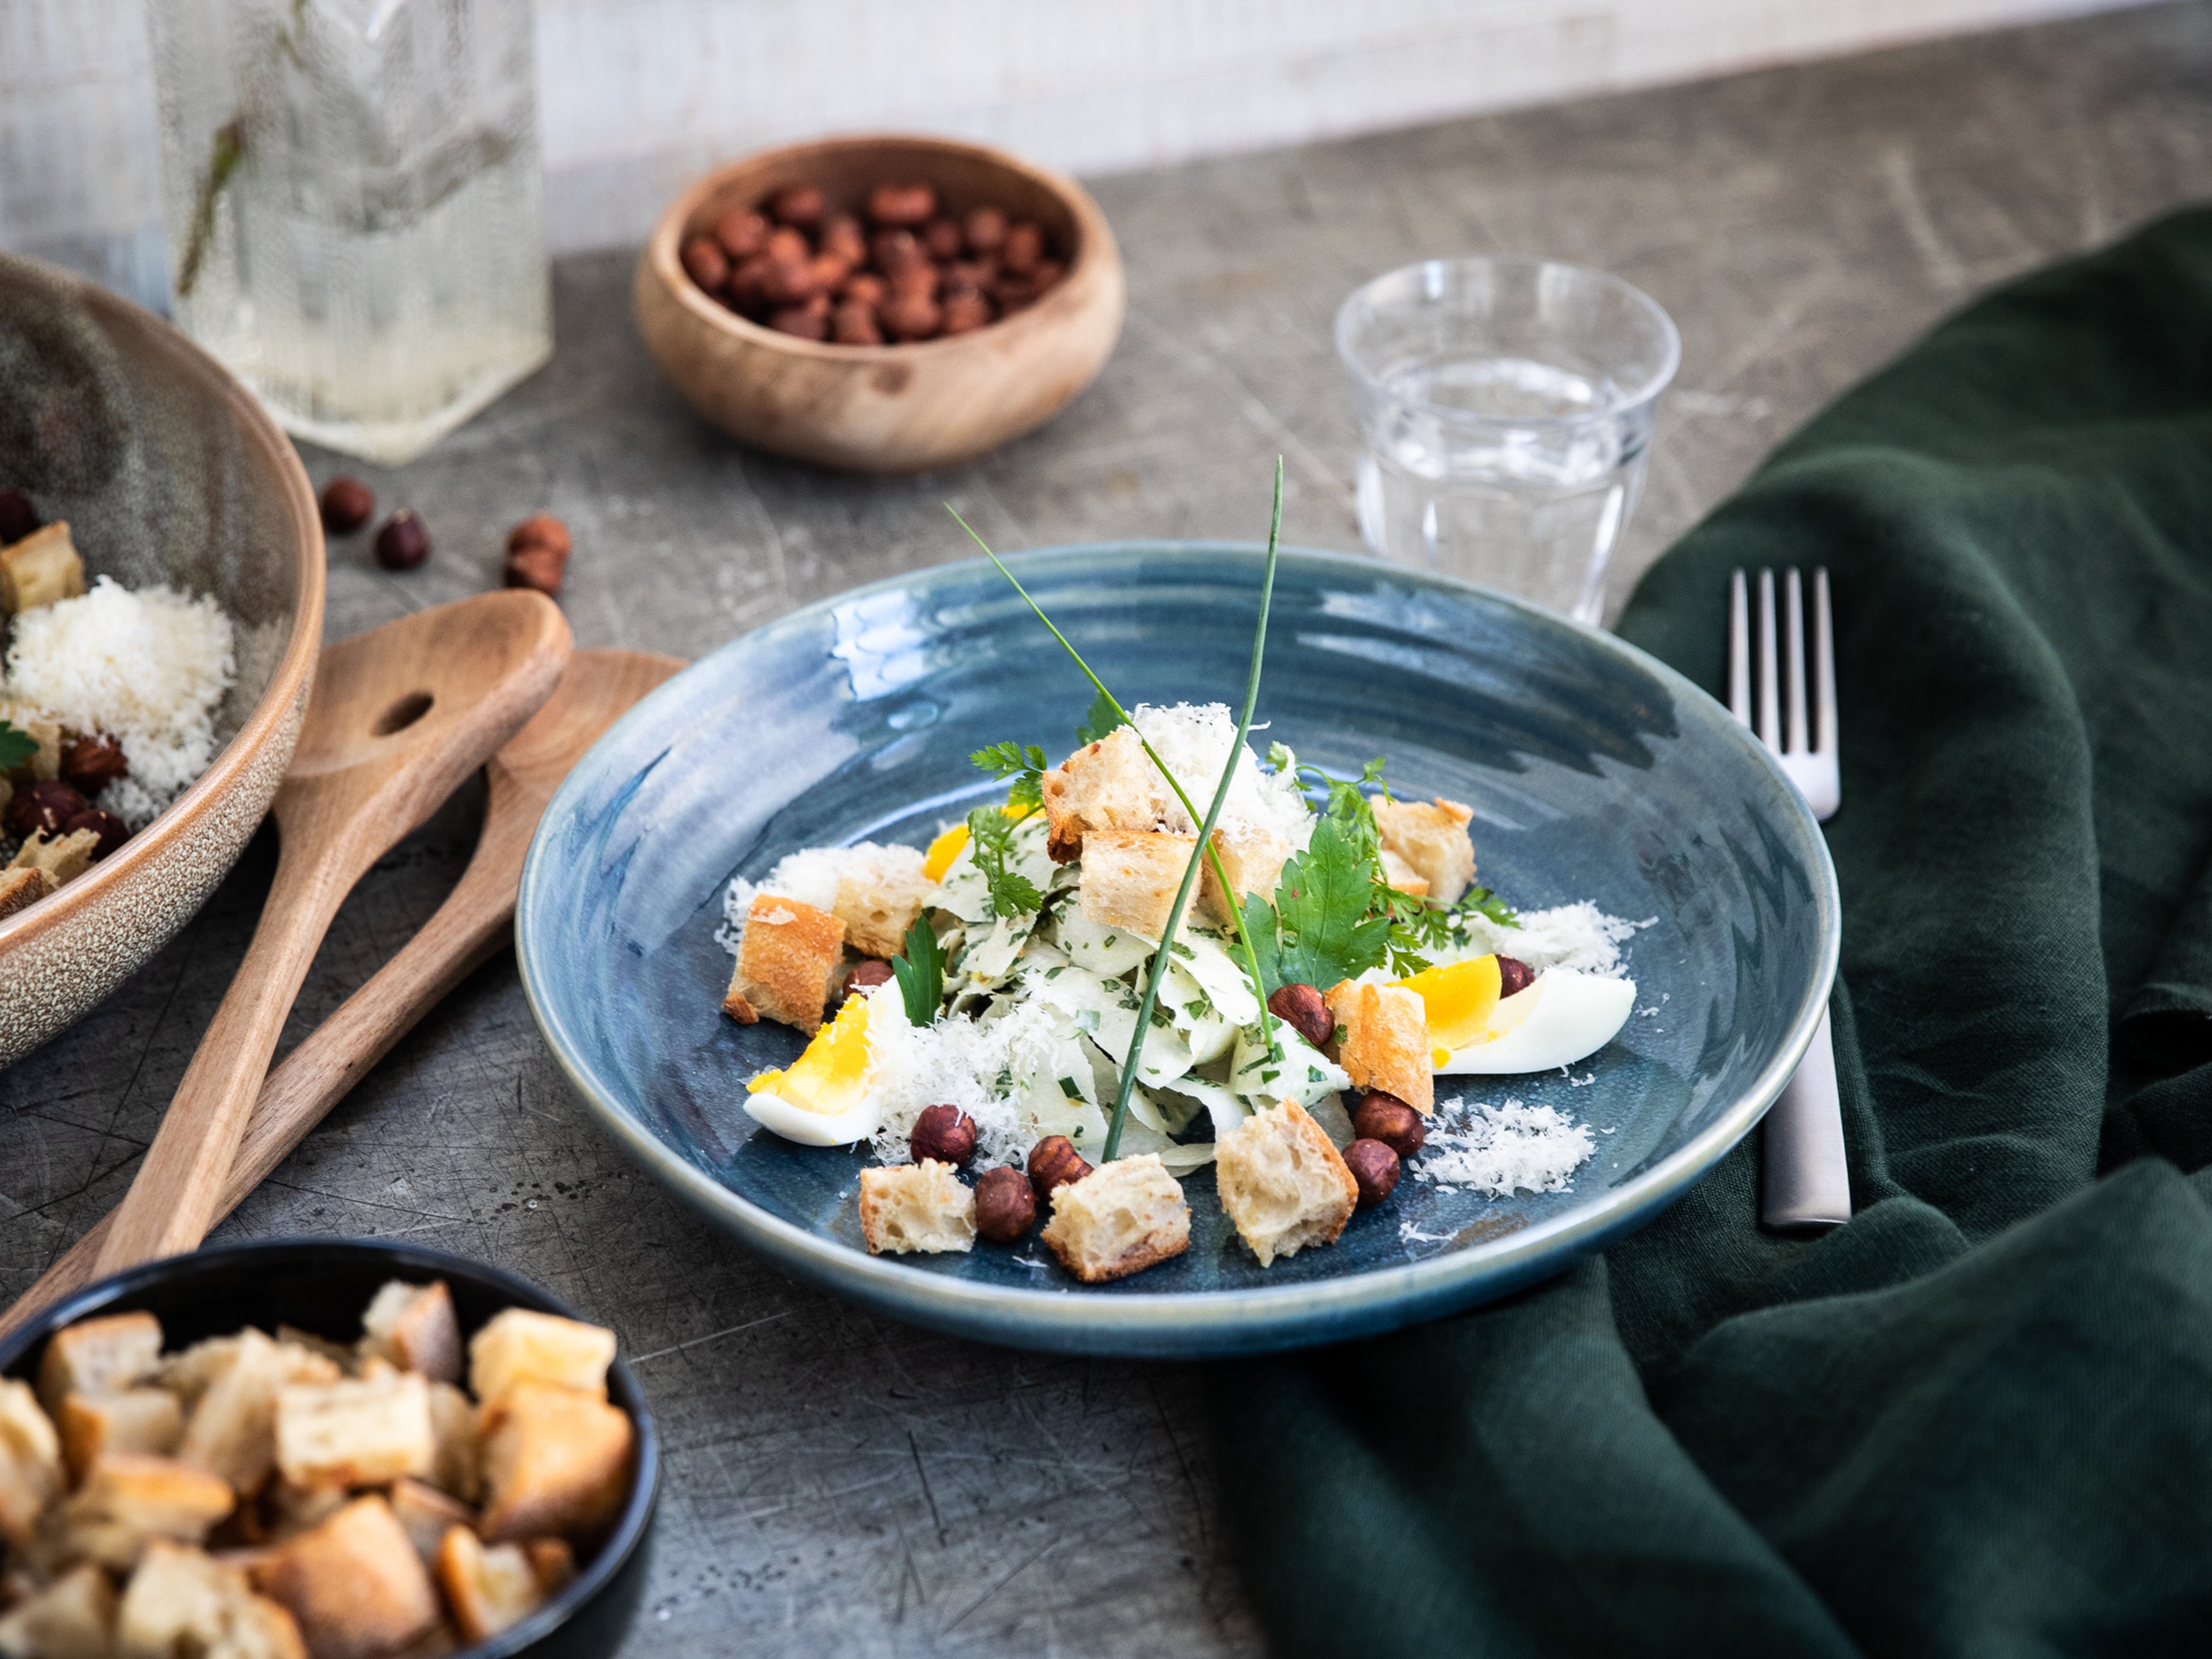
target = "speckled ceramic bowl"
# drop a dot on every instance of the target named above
(1596, 774)
(167, 470)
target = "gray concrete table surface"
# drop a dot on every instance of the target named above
(836, 1482)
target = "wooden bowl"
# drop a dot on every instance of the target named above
(167, 469)
(889, 407)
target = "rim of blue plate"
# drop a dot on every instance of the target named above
(1190, 1324)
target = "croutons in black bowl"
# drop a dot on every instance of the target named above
(308, 1559)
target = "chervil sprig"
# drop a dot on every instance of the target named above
(1025, 764)
(16, 747)
(991, 843)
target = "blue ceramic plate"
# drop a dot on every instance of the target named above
(1596, 773)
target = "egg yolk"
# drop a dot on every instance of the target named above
(1459, 999)
(832, 1075)
(942, 851)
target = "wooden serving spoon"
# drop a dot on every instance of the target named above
(469, 927)
(398, 716)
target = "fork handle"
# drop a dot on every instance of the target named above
(1805, 1182)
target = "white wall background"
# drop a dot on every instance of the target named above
(636, 95)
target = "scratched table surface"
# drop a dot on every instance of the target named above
(837, 1482)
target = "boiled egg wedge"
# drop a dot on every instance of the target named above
(823, 1097)
(1560, 1018)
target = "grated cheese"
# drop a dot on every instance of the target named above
(1504, 1149)
(1194, 740)
(1578, 937)
(810, 876)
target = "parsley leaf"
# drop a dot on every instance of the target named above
(16, 747)
(1102, 719)
(1024, 762)
(921, 971)
(1485, 903)
(1321, 929)
(991, 843)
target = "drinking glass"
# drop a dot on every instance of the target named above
(1506, 404)
(353, 196)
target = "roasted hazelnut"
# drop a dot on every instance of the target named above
(965, 311)
(974, 275)
(1305, 1011)
(944, 1133)
(798, 206)
(854, 323)
(1054, 1161)
(1006, 1206)
(1387, 1119)
(985, 229)
(914, 281)
(864, 287)
(865, 976)
(1374, 1170)
(539, 530)
(809, 321)
(842, 236)
(109, 828)
(1514, 975)
(348, 504)
(705, 263)
(18, 518)
(894, 251)
(788, 246)
(942, 237)
(742, 234)
(911, 317)
(790, 281)
(829, 271)
(1023, 248)
(539, 569)
(904, 205)
(89, 764)
(43, 807)
(749, 284)
(403, 543)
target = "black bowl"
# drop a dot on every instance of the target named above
(321, 1285)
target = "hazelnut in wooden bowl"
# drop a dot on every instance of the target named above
(1005, 350)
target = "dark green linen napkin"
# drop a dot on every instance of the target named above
(1978, 1419)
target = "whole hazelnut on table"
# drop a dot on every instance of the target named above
(798, 206)
(705, 263)
(348, 504)
(1005, 1207)
(1387, 1119)
(1374, 1170)
(18, 518)
(742, 233)
(944, 1133)
(866, 975)
(43, 808)
(1054, 1163)
(905, 205)
(90, 763)
(539, 569)
(403, 543)
(1305, 1011)
(1514, 976)
(106, 825)
(985, 229)
(540, 529)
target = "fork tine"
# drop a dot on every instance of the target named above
(1769, 712)
(1823, 665)
(1739, 650)
(1793, 594)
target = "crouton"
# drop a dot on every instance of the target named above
(916, 1206)
(1111, 784)
(555, 1461)
(125, 1421)
(45, 764)
(30, 1462)
(127, 1499)
(1130, 878)
(1283, 1183)
(785, 963)
(40, 568)
(554, 1563)
(1382, 1040)
(426, 1513)
(61, 858)
(517, 1345)
(1430, 839)
(1402, 875)
(1120, 1219)
(181, 1601)
(488, 1589)
(188, 1375)
(413, 1327)
(288, 1510)
(72, 1617)
(355, 1583)
(453, 1423)
(232, 1431)
(1253, 855)
(97, 1356)
(354, 1432)
(880, 892)
(20, 889)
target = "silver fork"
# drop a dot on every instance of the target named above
(1805, 1179)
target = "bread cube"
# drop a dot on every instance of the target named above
(1111, 784)
(517, 1345)
(98, 1356)
(40, 568)
(453, 1425)
(555, 1461)
(354, 1432)
(126, 1420)
(347, 1359)
(916, 1206)
(426, 1513)
(189, 1375)
(1283, 1182)
(355, 1583)
(554, 1563)
(72, 1617)
(1130, 878)
(232, 1431)
(1382, 1040)
(880, 892)
(20, 889)
(1402, 875)
(180, 1602)
(1120, 1218)
(128, 1499)
(288, 1510)
(1253, 855)
(413, 1327)
(30, 1462)
(60, 859)
(488, 1589)
(786, 961)
(1430, 839)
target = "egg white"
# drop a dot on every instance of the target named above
(772, 1111)
(1561, 1019)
